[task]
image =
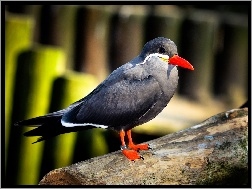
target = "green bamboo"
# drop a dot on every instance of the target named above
(37, 70)
(66, 22)
(98, 143)
(18, 35)
(90, 143)
(71, 87)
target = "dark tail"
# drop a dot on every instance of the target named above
(48, 126)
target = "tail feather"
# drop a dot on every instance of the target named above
(47, 130)
(47, 133)
(48, 126)
(41, 119)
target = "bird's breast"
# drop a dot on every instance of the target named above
(167, 82)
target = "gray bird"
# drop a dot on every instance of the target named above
(131, 95)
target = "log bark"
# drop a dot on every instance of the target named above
(212, 152)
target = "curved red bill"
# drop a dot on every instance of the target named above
(178, 61)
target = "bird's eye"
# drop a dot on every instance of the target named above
(161, 50)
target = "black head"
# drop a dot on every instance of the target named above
(159, 45)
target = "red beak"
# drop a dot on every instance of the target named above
(178, 61)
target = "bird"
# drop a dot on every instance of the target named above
(131, 95)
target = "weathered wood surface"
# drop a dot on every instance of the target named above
(212, 152)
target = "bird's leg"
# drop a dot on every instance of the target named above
(136, 146)
(122, 135)
(130, 154)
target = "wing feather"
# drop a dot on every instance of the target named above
(121, 104)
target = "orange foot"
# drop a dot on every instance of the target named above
(131, 154)
(138, 147)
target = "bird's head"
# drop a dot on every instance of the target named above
(166, 50)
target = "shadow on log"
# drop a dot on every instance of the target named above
(212, 152)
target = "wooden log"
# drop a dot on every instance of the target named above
(212, 152)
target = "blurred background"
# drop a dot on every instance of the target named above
(55, 55)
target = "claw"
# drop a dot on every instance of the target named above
(131, 154)
(131, 151)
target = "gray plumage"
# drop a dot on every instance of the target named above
(131, 95)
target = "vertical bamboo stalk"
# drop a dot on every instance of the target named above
(31, 11)
(92, 40)
(198, 46)
(66, 29)
(67, 89)
(57, 25)
(36, 71)
(232, 63)
(127, 35)
(18, 35)
(164, 21)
